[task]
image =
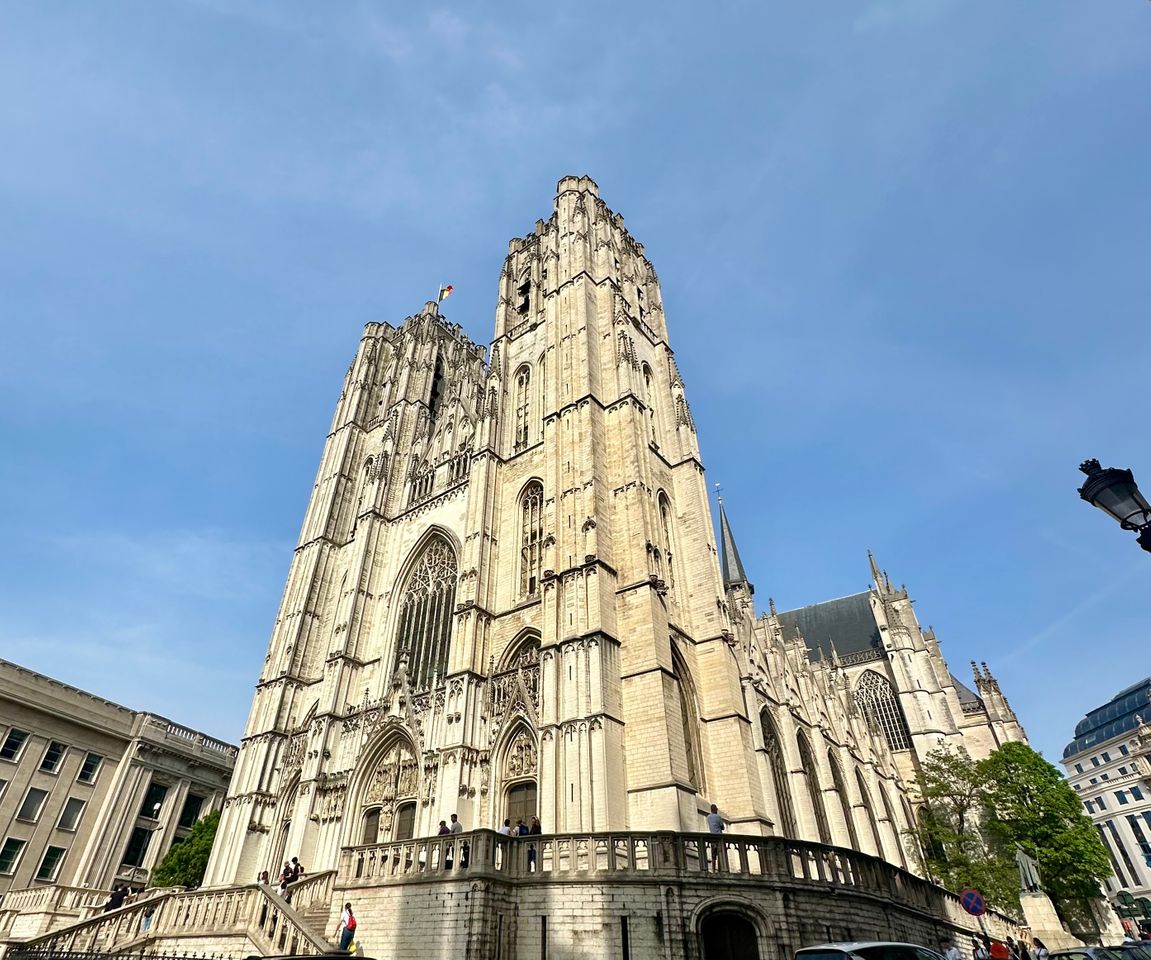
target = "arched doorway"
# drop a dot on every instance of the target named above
(728, 935)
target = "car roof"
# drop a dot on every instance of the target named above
(856, 944)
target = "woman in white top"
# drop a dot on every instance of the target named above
(1041, 951)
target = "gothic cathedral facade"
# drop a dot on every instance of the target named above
(508, 600)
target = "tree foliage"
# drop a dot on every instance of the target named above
(186, 862)
(975, 814)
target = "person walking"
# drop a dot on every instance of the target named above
(347, 929)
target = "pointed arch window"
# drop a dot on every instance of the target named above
(437, 390)
(523, 407)
(814, 787)
(531, 538)
(877, 700)
(426, 615)
(649, 402)
(844, 800)
(865, 798)
(778, 768)
(668, 542)
(894, 824)
(689, 717)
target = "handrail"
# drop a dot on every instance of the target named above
(252, 911)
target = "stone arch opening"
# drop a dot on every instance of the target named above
(814, 786)
(777, 768)
(727, 933)
(689, 718)
(518, 770)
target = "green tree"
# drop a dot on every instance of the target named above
(186, 862)
(1030, 804)
(954, 848)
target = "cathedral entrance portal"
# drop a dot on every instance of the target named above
(521, 802)
(728, 936)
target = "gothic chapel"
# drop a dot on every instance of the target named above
(507, 600)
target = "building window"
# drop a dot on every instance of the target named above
(1106, 757)
(50, 865)
(777, 767)
(191, 810)
(426, 615)
(876, 699)
(531, 538)
(689, 717)
(1121, 796)
(32, 805)
(52, 757)
(405, 821)
(1093, 780)
(1123, 749)
(1123, 770)
(1099, 802)
(137, 847)
(13, 744)
(844, 800)
(1136, 793)
(371, 829)
(814, 787)
(1094, 761)
(70, 816)
(153, 802)
(1122, 851)
(436, 393)
(1078, 768)
(10, 854)
(1140, 837)
(668, 544)
(89, 768)
(523, 407)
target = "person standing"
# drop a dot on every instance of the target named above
(456, 826)
(979, 950)
(506, 828)
(347, 927)
(715, 825)
(298, 870)
(535, 828)
(1041, 951)
(951, 951)
(521, 828)
(444, 830)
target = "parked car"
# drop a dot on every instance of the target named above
(1093, 953)
(867, 950)
(1140, 950)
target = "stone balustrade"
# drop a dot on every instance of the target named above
(727, 858)
(251, 914)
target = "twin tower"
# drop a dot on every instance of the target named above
(506, 600)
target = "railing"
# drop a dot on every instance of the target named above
(750, 859)
(253, 912)
(972, 706)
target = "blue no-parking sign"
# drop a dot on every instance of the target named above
(972, 901)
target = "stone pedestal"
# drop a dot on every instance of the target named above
(1039, 912)
(1110, 928)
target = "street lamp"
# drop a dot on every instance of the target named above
(1116, 493)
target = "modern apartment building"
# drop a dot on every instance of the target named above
(1109, 766)
(92, 793)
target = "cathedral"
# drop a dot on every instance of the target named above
(508, 600)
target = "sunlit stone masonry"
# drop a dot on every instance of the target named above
(508, 601)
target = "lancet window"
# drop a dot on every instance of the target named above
(523, 407)
(531, 538)
(668, 544)
(778, 768)
(865, 797)
(389, 800)
(689, 716)
(649, 401)
(844, 799)
(814, 787)
(877, 700)
(426, 615)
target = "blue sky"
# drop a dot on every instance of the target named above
(905, 249)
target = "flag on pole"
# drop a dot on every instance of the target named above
(445, 292)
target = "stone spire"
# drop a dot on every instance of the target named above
(733, 572)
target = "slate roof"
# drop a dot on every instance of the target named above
(847, 622)
(966, 694)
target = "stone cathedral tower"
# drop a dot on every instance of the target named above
(506, 597)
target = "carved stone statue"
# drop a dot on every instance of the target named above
(1028, 871)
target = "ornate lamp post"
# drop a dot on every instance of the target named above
(1116, 493)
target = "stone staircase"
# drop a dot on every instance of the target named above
(248, 920)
